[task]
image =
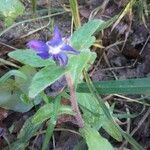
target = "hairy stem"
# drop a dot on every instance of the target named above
(73, 100)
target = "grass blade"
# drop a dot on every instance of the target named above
(52, 122)
(106, 112)
(125, 11)
(9, 63)
(103, 106)
(75, 13)
(131, 140)
(34, 2)
(129, 86)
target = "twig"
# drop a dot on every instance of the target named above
(131, 66)
(7, 45)
(36, 30)
(128, 121)
(68, 130)
(6, 62)
(128, 29)
(138, 126)
(105, 49)
(130, 99)
(116, 68)
(59, 129)
(109, 65)
(54, 143)
(141, 50)
(29, 20)
(35, 140)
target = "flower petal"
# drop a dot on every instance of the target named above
(45, 55)
(69, 49)
(57, 34)
(37, 46)
(57, 39)
(61, 59)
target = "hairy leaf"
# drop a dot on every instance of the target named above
(29, 57)
(44, 78)
(94, 140)
(10, 10)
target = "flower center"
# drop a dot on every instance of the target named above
(55, 49)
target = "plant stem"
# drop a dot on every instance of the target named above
(73, 100)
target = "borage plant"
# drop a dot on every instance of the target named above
(46, 62)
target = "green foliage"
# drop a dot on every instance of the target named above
(110, 122)
(129, 86)
(10, 98)
(131, 140)
(34, 5)
(25, 134)
(75, 13)
(94, 140)
(83, 37)
(78, 63)
(94, 116)
(142, 9)
(24, 84)
(13, 91)
(10, 10)
(46, 111)
(29, 57)
(106, 111)
(12, 73)
(44, 78)
(43, 113)
(31, 81)
(52, 122)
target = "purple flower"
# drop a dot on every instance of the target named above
(56, 48)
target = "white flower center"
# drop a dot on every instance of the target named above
(54, 50)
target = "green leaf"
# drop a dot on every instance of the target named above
(12, 73)
(89, 104)
(93, 114)
(29, 57)
(27, 131)
(25, 99)
(43, 114)
(84, 34)
(83, 37)
(23, 84)
(66, 110)
(46, 111)
(94, 140)
(10, 98)
(129, 86)
(52, 122)
(110, 126)
(78, 63)
(131, 140)
(10, 10)
(44, 78)
(114, 126)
